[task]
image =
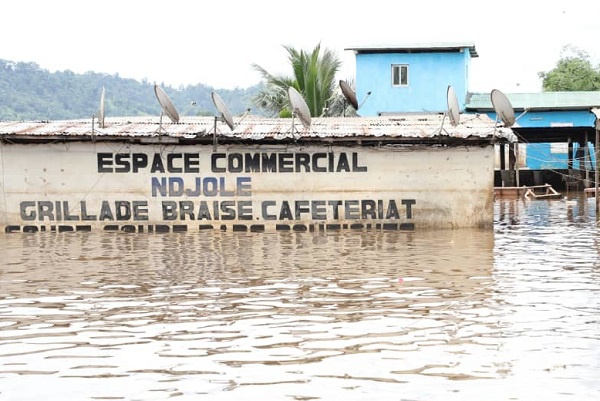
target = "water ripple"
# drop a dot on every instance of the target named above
(380, 315)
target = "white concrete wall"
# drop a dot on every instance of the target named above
(94, 185)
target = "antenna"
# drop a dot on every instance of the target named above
(453, 108)
(225, 116)
(299, 108)
(223, 110)
(349, 94)
(100, 113)
(166, 105)
(503, 107)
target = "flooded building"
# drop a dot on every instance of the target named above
(143, 175)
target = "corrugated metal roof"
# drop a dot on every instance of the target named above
(416, 48)
(410, 126)
(539, 100)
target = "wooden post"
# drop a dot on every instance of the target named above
(517, 163)
(587, 161)
(596, 171)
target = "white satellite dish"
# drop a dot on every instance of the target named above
(299, 107)
(503, 107)
(222, 109)
(349, 94)
(101, 113)
(166, 104)
(453, 108)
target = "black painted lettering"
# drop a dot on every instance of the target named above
(269, 163)
(228, 210)
(84, 214)
(140, 210)
(286, 163)
(191, 162)
(123, 210)
(342, 164)
(235, 163)
(122, 163)
(319, 210)
(169, 210)
(171, 168)
(285, 212)
(316, 167)
(300, 207)
(351, 210)
(302, 160)
(67, 213)
(265, 210)
(105, 163)
(27, 210)
(355, 166)
(45, 210)
(252, 162)
(408, 203)
(138, 161)
(186, 208)
(214, 163)
(368, 210)
(157, 164)
(203, 212)
(330, 161)
(106, 212)
(335, 207)
(244, 210)
(392, 211)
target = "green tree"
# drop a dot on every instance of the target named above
(573, 72)
(313, 76)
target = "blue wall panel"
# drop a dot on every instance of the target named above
(428, 78)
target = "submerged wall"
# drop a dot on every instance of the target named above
(148, 188)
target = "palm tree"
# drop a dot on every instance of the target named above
(314, 77)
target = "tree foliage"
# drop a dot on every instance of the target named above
(573, 72)
(28, 92)
(313, 75)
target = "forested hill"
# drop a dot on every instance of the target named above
(28, 92)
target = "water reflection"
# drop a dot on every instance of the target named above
(298, 316)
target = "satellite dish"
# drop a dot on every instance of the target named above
(453, 109)
(166, 104)
(503, 107)
(299, 107)
(101, 111)
(349, 94)
(222, 108)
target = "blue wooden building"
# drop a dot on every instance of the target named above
(411, 78)
(555, 130)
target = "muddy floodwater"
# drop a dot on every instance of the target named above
(509, 313)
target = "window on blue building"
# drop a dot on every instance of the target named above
(399, 74)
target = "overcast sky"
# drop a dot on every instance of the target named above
(179, 42)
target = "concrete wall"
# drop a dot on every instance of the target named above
(120, 186)
(429, 76)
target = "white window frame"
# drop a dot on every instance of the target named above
(400, 71)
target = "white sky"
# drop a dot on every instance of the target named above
(179, 42)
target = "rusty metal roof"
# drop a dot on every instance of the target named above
(325, 129)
